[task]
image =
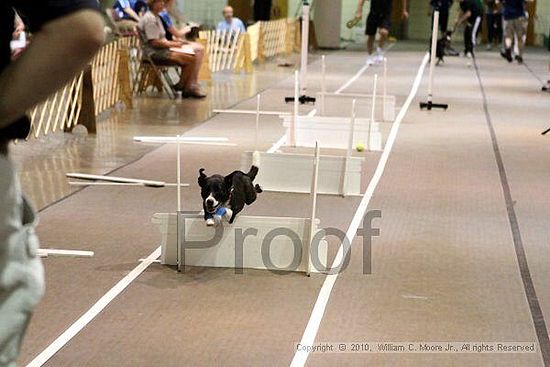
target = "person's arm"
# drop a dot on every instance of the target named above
(57, 52)
(164, 43)
(405, 14)
(131, 13)
(359, 11)
(175, 32)
(462, 17)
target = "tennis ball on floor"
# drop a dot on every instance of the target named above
(360, 147)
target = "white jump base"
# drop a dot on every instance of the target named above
(335, 104)
(332, 132)
(286, 172)
(223, 254)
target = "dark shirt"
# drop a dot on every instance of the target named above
(35, 14)
(514, 9)
(473, 7)
(380, 6)
(441, 5)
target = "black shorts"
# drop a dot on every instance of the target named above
(378, 20)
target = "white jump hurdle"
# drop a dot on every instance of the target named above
(332, 105)
(337, 175)
(333, 132)
(181, 232)
(286, 172)
(226, 254)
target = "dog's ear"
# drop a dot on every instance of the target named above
(202, 178)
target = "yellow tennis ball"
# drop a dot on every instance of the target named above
(360, 147)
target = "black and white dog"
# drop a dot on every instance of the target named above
(225, 197)
(442, 45)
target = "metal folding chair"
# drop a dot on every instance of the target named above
(159, 71)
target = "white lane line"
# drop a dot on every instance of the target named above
(352, 80)
(358, 75)
(275, 147)
(310, 333)
(99, 306)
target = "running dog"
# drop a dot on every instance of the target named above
(443, 44)
(225, 197)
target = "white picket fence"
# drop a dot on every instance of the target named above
(222, 48)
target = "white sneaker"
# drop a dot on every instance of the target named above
(371, 59)
(379, 55)
(210, 222)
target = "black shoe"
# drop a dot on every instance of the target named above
(519, 59)
(507, 54)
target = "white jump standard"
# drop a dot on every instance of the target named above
(429, 105)
(304, 55)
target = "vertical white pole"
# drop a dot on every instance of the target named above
(323, 84)
(373, 111)
(292, 137)
(313, 217)
(256, 131)
(178, 216)
(435, 32)
(178, 172)
(305, 48)
(344, 177)
(385, 91)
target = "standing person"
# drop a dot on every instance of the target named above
(126, 19)
(515, 28)
(66, 34)
(379, 19)
(494, 23)
(470, 14)
(443, 7)
(262, 10)
(159, 49)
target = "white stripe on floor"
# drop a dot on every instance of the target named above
(99, 306)
(310, 333)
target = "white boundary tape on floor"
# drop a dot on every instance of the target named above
(85, 319)
(310, 333)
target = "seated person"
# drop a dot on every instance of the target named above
(230, 23)
(175, 33)
(124, 15)
(140, 7)
(159, 49)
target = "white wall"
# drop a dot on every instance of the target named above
(206, 12)
(542, 27)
